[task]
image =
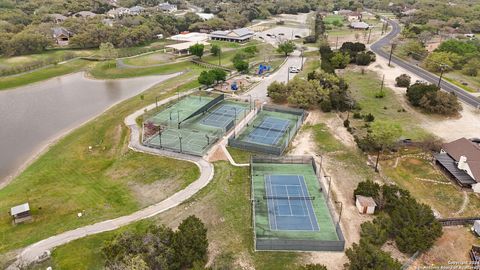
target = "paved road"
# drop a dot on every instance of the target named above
(420, 72)
(31, 253)
(259, 92)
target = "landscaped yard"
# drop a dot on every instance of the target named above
(414, 171)
(103, 182)
(364, 87)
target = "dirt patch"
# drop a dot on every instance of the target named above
(453, 246)
(448, 128)
(217, 155)
(148, 194)
(391, 248)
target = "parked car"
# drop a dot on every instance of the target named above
(293, 69)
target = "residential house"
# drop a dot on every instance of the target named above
(365, 205)
(61, 35)
(354, 16)
(20, 213)
(118, 12)
(136, 10)
(167, 7)
(236, 35)
(84, 14)
(57, 18)
(460, 159)
(359, 25)
(205, 16)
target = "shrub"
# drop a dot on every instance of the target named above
(326, 105)
(403, 80)
(357, 115)
(362, 59)
(369, 117)
(346, 123)
(416, 91)
(309, 39)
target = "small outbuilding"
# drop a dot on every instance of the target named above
(20, 213)
(365, 205)
(359, 25)
(476, 227)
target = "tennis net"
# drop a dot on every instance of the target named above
(284, 129)
(289, 197)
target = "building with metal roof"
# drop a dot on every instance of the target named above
(20, 213)
(235, 35)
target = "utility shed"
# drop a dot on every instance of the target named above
(20, 213)
(365, 205)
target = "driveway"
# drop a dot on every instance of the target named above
(259, 92)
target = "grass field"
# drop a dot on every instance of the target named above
(224, 206)
(107, 181)
(365, 87)
(329, 19)
(43, 74)
(50, 54)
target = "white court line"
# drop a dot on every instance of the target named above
(309, 216)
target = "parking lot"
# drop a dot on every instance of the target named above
(282, 33)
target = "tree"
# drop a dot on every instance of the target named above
(403, 80)
(26, 42)
(362, 59)
(440, 102)
(108, 51)
(413, 48)
(305, 94)
(241, 65)
(436, 61)
(286, 47)
(367, 256)
(206, 78)
(458, 47)
(190, 242)
(367, 188)
(277, 91)
(417, 90)
(197, 50)
(312, 267)
(377, 231)
(471, 67)
(216, 50)
(220, 75)
(340, 60)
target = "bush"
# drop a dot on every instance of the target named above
(380, 95)
(369, 117)
(417, 90)
(326, 106)
(346, 123)
(440, 102)
(309, 39)
(357, 115)
(367, 188)
(278, 92)
(362, 59)
(403, 80)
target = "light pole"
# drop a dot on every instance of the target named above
(391, 52)
(369, 34)
(442, 69)
(329, 186)
(156, 101)
(180, 139)
(288, 74)
(341, 210)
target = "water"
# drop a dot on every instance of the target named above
(33, 116)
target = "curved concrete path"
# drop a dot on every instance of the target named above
(31, 253)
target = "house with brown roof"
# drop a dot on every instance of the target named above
(460, 159)
(61, 35)
(235, 35)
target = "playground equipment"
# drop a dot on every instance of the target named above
(263, 68)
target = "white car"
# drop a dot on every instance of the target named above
(293, 70)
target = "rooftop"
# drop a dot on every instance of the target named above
(468, 149)
(359, 25)
(19, 209)
(366, 201)
(239, 32)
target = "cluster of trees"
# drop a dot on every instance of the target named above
(430, 98)
(455, 54)
(158, 247)
(410, 224)
(241, 59)
(212, 76)
(349, 53)
(321, 89)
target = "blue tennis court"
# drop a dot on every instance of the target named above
(269, 131)
(289, 204)
(223, 115)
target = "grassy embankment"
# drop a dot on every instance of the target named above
(104, 181)
(224, 206)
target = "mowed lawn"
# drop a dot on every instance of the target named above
(224, 206)
(364, 87)
(71, 178)
(43, 74)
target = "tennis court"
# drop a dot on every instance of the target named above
(269, 132)
(290, 208)
(222, 116)
(289, 204)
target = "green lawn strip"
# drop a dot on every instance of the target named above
(228, 194)
(49, 54)
(42, 74)
(108, 70)
(70, 178)
(454, 79)
(365, 87)
(240, 156)
(329, 19)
